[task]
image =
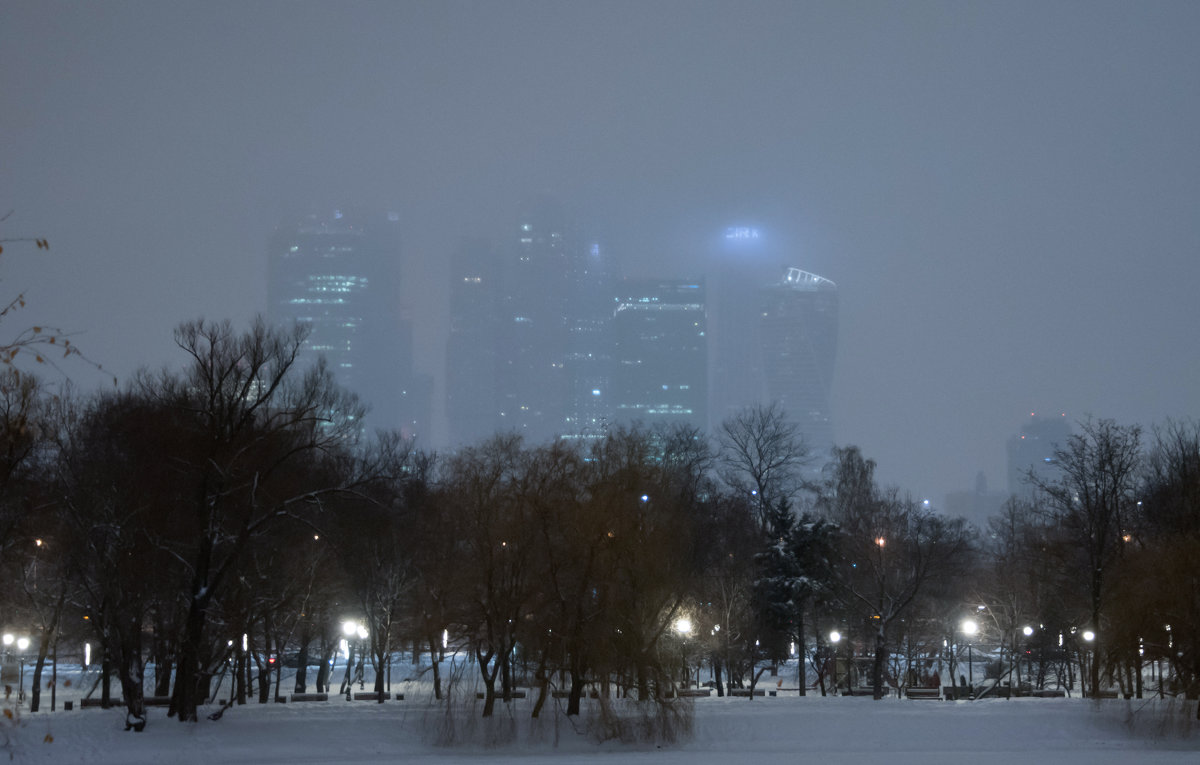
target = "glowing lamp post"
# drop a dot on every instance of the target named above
(22, 644)
(969, 628)
(1089, 638)
(353, 629)
(683, 627)
(835, 637)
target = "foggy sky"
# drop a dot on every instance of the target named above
(1007, 194)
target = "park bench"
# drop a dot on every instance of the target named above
(500, 695)
(862, 691)
(310, 697)
(744, 692)
(156, 701)
(1049, 693)
(84, 703)
(694, 693)
(922, 693)
(373, 696)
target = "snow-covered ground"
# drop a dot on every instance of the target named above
(786, 729)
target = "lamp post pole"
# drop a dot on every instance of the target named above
(834, 638)
(969, 628)
(349, 628)
(1089, 638)
(362, 632)
(22, 644)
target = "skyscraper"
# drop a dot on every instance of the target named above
(472, 408)
(660, 370)
(339, 274)
(771, 340)
(1031, 452)
(588, 362)
(739, 265)
(798, 344)
(532, 331)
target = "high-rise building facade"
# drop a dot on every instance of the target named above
(588, 363)
(739, 265)
(472, 407)
(660, 369)
(797, 339)
(771, 339)
(339, 274)
(532, 331)
(1031, 452)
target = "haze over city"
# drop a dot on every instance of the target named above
(1006, 195)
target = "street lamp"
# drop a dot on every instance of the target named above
(22, 643)
(1089, 637)
(352, 628)
(835, 637)
(683, 628)
(969, 628)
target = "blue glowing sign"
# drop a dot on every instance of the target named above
(741, 233)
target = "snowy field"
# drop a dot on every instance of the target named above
(766, 730)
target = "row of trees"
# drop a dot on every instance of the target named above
(237, 497)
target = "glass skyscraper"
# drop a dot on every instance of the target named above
(660, 369)
(797, 340)
(339, 274)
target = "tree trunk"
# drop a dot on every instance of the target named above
(35, 686)
(105, 677)
(132, 676)
(163, 662)
(328, 657)
(489, 679)
(543, 685)
(187, 675)
(877, 665)
(436, 665)
(800, 651)
(301, 663)
(264, 678)
(577, 685)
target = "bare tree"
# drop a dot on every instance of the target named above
(1154, 609)
(1092, 499)
(255, 439)
(893, 552)
(497, 548)
(762, 454)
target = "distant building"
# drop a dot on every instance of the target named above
(660, 370)
(771, 339)
(532, 332)
(589, 353)
(739, 265)
(798, 345)
(1032, 452)
(340, 275)
(472, 407)
(976, 505)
